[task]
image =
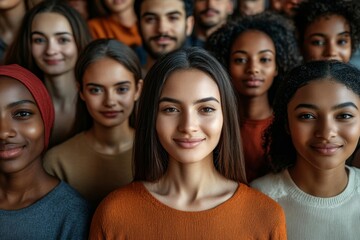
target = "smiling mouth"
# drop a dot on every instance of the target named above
(327, 149)
(9, 153)
(253, 82)
(111, 114)
(189, 143)
(52, 62)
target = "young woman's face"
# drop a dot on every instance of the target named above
(52, 44)
(189, 119)
(324, 124)
(251, 7)
(119, 6)
(110, 92)
(10, 4)
(21, 128)
(252, 63)
(328, 38)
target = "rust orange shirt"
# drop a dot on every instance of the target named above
(108, 28)
(132, 212)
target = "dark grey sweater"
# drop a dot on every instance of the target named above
(61, 214)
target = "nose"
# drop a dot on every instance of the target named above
(252, 67)
(6, 129)
(52, 47)
(163, 25)
(326, 129)
(109, 99)
(210, 3)
(331, 50)
(188, 122)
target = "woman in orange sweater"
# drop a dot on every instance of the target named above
(117, 20)
(189, 170)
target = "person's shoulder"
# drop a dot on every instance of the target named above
(94, 22)
(68, 195)
(272, 184)
(63, 148)
(130, 192)
(354, 177)
(257, 197)
(261, 206)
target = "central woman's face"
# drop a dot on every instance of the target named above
(189, 120)
(21, 128)
(52, 44)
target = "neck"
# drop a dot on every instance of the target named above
(62, 87)
(190, 181)
(21, 189)
(204, 33)
(256, 108)
(126, 18)
(319, 183)
(10, 21)
(111, 140)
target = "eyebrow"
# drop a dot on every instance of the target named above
(262, 51)
(116, 84)
(324, 35)
(155, 14)
(58, 33)
(14, 104)
(339, 106)
(167, 99)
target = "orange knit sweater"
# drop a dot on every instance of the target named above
(108, 28)
(132, 212)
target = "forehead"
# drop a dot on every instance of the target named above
(324, 92)
(334, 23)
(51, 22)
(189, 84)
(255, 39)
(12, 90)
(107, 71)
(162, 7)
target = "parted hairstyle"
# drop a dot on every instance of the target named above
(277, 27)
(278, 145)
(107, 48)
(311, 10)
(20, 50)
(150, 158)
(188, 7)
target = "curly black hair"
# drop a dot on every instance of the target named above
(278, 145)
(277, 27)
(311, 10)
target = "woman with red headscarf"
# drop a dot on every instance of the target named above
(45, 207)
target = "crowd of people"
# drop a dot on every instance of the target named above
(179, 119)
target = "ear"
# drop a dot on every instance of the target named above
(189, 25)
(139, 87)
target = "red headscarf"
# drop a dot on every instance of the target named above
(37, 90)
